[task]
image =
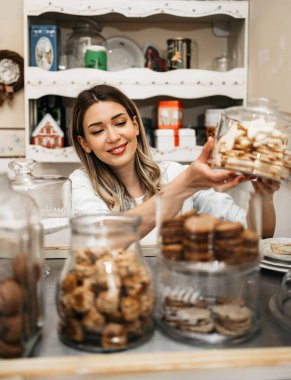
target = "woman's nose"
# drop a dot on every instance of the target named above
(112, 134)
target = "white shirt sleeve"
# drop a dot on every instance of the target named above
(84, 198)
(220, 205)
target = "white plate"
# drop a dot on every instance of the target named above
(51, 225)
(266, 249)
(274, 268)
(123, 53)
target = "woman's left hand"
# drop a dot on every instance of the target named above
(266, 187)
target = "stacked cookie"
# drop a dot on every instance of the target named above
(227, 242)
(227, 315)
(197, 241)
(203, 238)
(172, 234)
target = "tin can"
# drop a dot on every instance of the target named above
(44, 41)
(179, 53)
(96, 57)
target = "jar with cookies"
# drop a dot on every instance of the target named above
(208, 277)
(105, 295)
(255, 139)
(21, 282)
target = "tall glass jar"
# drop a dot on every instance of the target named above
(21, 283)
(105, 294)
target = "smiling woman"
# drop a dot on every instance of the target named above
(118, 173)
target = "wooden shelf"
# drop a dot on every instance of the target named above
(42, 154)
(139, 83)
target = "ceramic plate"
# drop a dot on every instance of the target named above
(274, 266)
(51, 225)
(123, 53)
(267, 252)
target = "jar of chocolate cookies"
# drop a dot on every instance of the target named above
(255, 139)
(21, 283)
(208, 275)
(105, 295)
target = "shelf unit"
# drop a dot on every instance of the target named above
(137, 83)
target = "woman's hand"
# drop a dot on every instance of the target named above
(201, 176)
(266, 187)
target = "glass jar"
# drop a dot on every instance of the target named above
(223, 63)
(255, 140)
(105, 295)
(208, 273)
(21, 283)
(84, 35)
(52, 193)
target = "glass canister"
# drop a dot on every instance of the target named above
(84, 35)
(52, 193)
(254, 139)
(105, 295)
(208, 276)
(21, 283)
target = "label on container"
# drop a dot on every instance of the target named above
(96, 58)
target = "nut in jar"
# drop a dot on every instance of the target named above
(105, 294)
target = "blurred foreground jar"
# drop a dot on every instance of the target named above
(21, 285)
(105, 294)
(208, 276)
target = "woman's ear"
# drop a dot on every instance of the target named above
(136, 125)
(82, 141)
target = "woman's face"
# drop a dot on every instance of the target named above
(110, 134)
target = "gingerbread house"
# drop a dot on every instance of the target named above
(48, 133)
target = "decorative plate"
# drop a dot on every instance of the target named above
(123, 53)
(277, 248)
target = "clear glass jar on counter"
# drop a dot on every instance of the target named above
(21, 282)
(84, 35)
(105, 295)
(52, 193)
(208, 278)
(255, 139)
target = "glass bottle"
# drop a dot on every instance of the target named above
(21, 283)
(105, 295)
(85, 34)
(43, 108)
(59, 115)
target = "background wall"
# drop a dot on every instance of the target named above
(269, 73)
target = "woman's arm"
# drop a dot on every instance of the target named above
(267, 187)
(195, 177)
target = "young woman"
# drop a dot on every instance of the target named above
(118, 173)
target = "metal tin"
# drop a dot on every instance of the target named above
(179, 53)
(44, 46)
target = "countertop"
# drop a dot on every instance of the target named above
(266, 356)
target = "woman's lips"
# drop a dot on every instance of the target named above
(117, 149)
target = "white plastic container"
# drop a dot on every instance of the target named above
(167, 139)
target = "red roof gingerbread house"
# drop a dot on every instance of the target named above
(48, 133)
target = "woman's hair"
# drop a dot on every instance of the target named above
(106, 184)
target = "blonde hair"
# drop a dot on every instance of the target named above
(106, 184)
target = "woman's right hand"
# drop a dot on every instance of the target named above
(201, 176)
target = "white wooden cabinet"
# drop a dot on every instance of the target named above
(139, 83)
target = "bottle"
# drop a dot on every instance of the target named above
(43, 108)
(105, 297)
(21, 282)
(59, 115)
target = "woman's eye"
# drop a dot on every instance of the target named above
(120, 123)
(97, 132)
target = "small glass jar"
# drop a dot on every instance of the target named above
(208, 278)
(21, 282)
(254, 139)
(105, 295)
(223, 63)
(83, 36)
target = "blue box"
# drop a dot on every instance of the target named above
(44, 47)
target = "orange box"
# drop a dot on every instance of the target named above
(170, 114)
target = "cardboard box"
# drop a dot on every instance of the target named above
(44, 52)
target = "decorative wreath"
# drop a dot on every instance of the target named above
(11, 74)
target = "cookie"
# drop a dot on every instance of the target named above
(173, 251)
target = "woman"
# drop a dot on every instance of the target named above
(119, 174)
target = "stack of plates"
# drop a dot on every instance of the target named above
(279, 262)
